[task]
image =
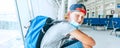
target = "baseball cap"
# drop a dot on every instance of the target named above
(78, 7)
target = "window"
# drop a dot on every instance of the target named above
(10, 35)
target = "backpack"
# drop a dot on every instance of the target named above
(38, 26)
(37, 29)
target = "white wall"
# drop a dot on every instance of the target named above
(101, 7)
(118, 9)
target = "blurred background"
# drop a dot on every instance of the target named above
(102, 21)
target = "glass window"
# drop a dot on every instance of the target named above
(10, 34)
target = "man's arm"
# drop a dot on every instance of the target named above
(85, 39)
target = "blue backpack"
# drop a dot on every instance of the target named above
(38, 27)
(36, 31)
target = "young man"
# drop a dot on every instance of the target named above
(54, 36)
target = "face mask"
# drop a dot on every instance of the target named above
(75, 24)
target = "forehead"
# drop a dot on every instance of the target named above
(78, 13)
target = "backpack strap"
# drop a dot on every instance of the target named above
(47, 25)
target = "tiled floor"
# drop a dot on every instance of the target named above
(102, 37)
(12, 39)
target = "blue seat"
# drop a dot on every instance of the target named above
(103, 21)
(110, 23)
(116, 25)
(94, 21)
(85, 21)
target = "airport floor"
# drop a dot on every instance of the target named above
(12, 39)
(102, 37)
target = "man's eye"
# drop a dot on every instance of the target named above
(82, 17)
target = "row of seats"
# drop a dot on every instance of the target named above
(95, 21)
(109, 23)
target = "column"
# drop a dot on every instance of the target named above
(104, 11)
(23, 13)
(61, 11)
(48, 8)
